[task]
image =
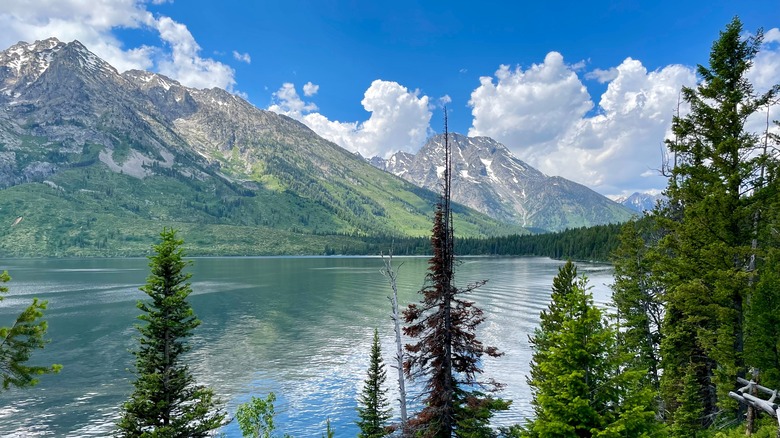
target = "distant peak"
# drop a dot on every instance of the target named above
(147, 79)
(37, 46)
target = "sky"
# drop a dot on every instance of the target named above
(583, 90)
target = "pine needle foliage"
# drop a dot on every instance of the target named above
(19, 341)
(445, 349)
(719, 191)
(374, 408)
(167, 402)
(579, 386)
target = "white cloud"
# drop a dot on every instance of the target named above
(529, 107)
(243, 57)
(602, 76)
(93, 23)
(540, 114)
(399, 119)
(183, 62)
(766, 66)
(764, 74)
(445, 100)
(621, 148)
(772, 36)
(289, 103)
(310, 89)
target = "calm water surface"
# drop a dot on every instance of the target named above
(300, 327)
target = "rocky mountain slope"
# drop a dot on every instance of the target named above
(640, 202)
(488, 178)
(93, 161)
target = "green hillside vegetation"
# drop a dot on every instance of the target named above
(88, 210)
(91, 163)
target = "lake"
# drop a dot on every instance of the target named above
(298, 326)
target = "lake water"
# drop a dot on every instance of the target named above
(300, 327)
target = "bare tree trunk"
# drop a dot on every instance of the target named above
(751, 411)
(391, 275)
(448, 423)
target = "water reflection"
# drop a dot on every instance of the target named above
(300, 327)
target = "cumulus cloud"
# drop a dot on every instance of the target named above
(289, 103)
(529, 107)
(602, 76)
(764, 72)
(621, 148)
(540, 114)
(93, 23)
(310, 89)
(243, 57)
(763, 75)
(399, 120)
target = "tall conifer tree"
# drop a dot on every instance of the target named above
(714, 201)
(637, 296)
(167, 402)
(446, 352)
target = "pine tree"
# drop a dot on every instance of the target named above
(579, 386)
(374, 409)
(714, 195)
(167, 402)
(17, 343)
(687, 418)
(637, 295)
(762, 312)
(447, 352)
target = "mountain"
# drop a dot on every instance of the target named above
(488, 178)
(93, 162)
(640, 202)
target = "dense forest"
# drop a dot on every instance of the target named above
(595, 243)
(693, 328)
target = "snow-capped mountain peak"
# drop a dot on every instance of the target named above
(488, 178)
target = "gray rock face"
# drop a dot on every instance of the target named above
(640, 202)
(488, 178)
(64, 109)
(57, 99)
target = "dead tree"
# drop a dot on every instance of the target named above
(392, 275)
(745, 396)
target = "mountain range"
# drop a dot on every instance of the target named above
(488, 178)
(97, 162)
(641, 202)
(94, 162)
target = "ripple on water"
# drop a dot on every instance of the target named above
(301, 328)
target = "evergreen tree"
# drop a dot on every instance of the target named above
(374, 409)
(447, 352)
(18, 342)
(715, 196)
(637, 295)
(579, 386)
(762, 312)
(687, 417)
(167, 402)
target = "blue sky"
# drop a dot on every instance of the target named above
(586, 91)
